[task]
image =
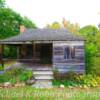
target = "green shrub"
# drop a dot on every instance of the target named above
(13, 80)
(64, 82)
(1, 68)
(4, 78)
(25, 75)
(65, 76)
(90, 80)
(57, 82)
(14, 71)
(14, 75)
(74, 79)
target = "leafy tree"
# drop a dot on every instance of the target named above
(70, 26)
(88, 30)
(89, 33)
(2, 3)
(66, 25)
(28, 23)
(10, 22)
(54, 25)
(96, 59)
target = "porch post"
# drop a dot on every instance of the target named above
(33, 52)
(1, 55)
(17, 52)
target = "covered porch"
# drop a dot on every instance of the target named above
(30, 54)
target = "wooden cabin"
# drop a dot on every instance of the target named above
(57, 48)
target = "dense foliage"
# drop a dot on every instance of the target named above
(92, 48)
(2, 3)
(15, 75)
(74, 79)
(65, 24)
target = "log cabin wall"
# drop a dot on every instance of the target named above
(72, 60)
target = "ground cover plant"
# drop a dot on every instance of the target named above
(29, 93)
(76, 80)
(16, 74)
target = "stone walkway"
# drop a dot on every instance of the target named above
(43, 76)
(42, 84)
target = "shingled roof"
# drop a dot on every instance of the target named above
(43, 34)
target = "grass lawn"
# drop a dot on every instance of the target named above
(29, 93)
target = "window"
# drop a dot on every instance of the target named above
(69, 52)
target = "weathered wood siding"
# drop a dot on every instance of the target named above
(64, 65)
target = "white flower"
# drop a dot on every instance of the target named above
(62, 86)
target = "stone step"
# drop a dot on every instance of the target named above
(43, 77)
(43, 81)
(42, 69)
(43, 73)
(42, 84)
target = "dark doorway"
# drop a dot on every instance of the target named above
(46, 53)
(29, 51)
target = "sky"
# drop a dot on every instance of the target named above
(44, 12)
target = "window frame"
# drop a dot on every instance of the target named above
(69, 52)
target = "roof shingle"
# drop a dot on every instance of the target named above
(44, 34)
